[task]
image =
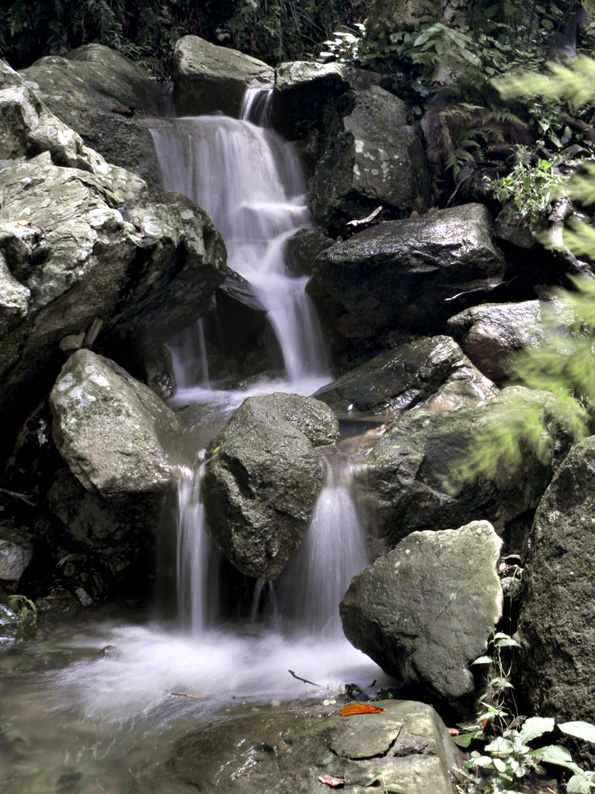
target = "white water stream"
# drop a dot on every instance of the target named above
(250, 182)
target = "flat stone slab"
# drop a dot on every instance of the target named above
(281, 749)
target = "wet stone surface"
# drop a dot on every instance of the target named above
(289, 750)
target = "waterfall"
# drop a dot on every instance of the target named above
(251, 183)
(332, 553)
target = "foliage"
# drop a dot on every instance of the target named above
(506, 756)
(18, 619)
(532, 187)
(273, 30)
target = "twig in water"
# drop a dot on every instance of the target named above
(186, 695)
(305, 680)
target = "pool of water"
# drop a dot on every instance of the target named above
(89, 704)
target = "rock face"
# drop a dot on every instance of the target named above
(356, 136)
(289, 750)
(116, 437)
(404, 274)
(15, 554)
(402, 478)
(426, 610)
(262, 479)
(102, 96)
(81, 239)
(377, 160)
(208, 78)
(491, 333)
(429, 372)
(557, 665)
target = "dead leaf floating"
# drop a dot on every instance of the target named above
(332, 780)
(359, 708)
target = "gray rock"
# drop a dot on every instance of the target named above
(262, 479)
(376, 160)
(113, 431)
(510, 227)
(81, 239)
(429, 372)
(402, 477)
(208, 78)
(287, 750)
(303, 248)
(557, 664)
(102, 96)
(426, 610)
(15, 554)
(404, 274)
(491, 333)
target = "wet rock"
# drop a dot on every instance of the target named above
(403, 476)
(79, 240)
(426, 610)
(376, 160)
(429, 373)
(101, 95)
(59, 600)
(303, 248)
(113, 431)
(117, 438)
(407, 274)
(159, 373)
(262, 479)
(510, 227)
(288, 750)
(491, 333)
(557, 665)
(15, 554)
(208, 78)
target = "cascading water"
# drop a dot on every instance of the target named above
(250, 182)
(333, 552)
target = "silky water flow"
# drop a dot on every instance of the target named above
(113, 709)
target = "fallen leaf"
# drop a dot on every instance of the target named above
(332, 780)
(454, 731)
(359, 708)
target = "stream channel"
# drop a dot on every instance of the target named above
(89, 704)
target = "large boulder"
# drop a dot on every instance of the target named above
(263, 477)
(426, 610)
(556, 668)
(429, 372)
(490, 334)
(409, 274)
(103, 96)
(81, 239)
(118, 439)
(406, 477)
(376, 160)
(356, 139)
(209, 79)
(294, 750)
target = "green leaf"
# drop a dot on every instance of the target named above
(500, 746)
(507, 643)
(579, 729)
(536, 726)
(464, 739)
(578, 784)
(554, 754)
(483, 660)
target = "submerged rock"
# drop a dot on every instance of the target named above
(426, 610)
(428, 373)
(409, 274)
(404, 479)
(557, 665)
(101, 95)
(290, 750)
(208, 78)
(263, 476)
